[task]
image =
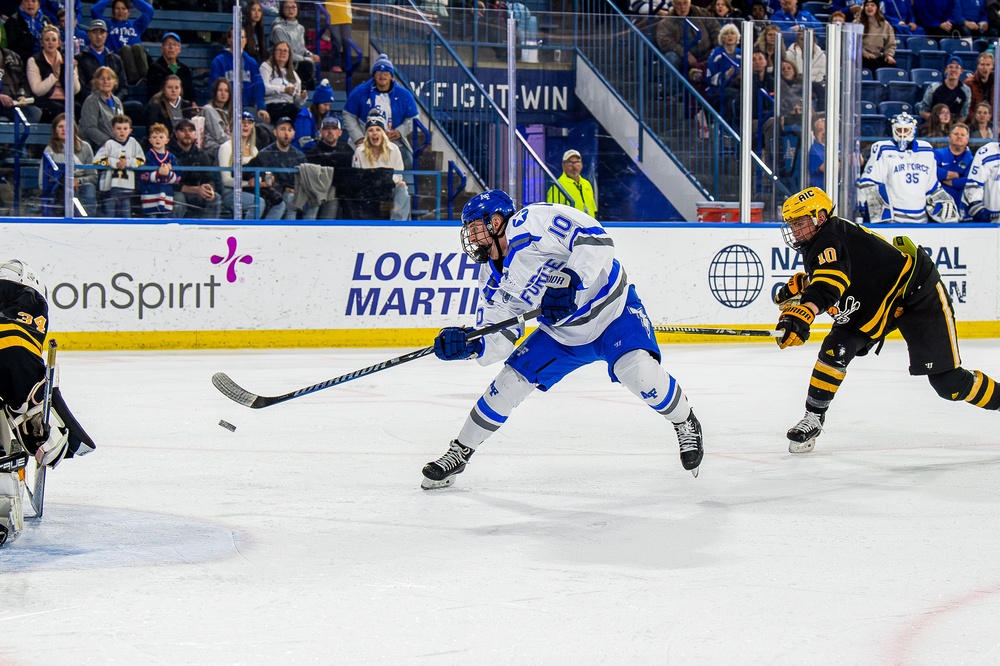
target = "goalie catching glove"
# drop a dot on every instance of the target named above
(62, 437)
(790, 292)
(794, 322)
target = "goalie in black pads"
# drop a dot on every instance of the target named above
(560, 260)
(23, 325)
(871, 287)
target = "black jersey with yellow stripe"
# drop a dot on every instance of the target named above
(859, 272)
(23, 318)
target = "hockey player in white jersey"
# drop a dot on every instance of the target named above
(982, 187)
(900, 180)
(561, 260)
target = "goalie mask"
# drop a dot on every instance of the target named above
(15, 270)
(904, 129)
(800, 214)
(479, 233)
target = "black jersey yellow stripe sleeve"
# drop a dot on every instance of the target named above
(12, 335)
(836, 279)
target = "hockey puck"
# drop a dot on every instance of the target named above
(228, 426)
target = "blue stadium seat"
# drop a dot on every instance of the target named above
(866, 75)
(814, 7)
(873, 125)
(932, 59)
(924, 76)
(888, 74)
(904, 59)
(891, 109)
(902, 91)
(872, 91)
(868, 108)
(917, 44)
(970, 59)
(952, 44)
(981, 45)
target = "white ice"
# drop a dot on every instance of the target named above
(574, 536)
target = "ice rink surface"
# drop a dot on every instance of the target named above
(574, 536)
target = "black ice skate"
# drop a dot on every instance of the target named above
(802, 436)
(441, 473)
(689, 439)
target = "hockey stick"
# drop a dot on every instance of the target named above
(742, 332)
(236, 393)
(36, 494)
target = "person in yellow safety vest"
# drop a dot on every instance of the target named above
(580, 190)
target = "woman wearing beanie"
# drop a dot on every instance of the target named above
(377, 152)
(307, 121)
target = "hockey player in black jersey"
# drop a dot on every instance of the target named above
(871, 287)
(23, 327)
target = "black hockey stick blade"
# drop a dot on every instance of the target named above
(743, 332)
(238, 394)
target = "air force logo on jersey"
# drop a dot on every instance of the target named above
(641, 314)
(519, 218)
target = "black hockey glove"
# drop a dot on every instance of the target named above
(559, 299)
(453, 344)
(791, 289)
(795, 322)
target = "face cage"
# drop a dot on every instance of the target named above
(478, 253)
(789, 236)
(901, 142)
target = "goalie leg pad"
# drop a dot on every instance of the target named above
(506, 392)
(11, 510)
(641, 374)
(878, 208)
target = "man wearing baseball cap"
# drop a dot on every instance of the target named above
(197, 192)
(98, 55)
(169, 63)
(330, 151)
(581, 192)
(279, 191)
(951, 92)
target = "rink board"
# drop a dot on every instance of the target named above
(182, 286)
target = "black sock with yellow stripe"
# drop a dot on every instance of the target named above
(973, 387)
(823, 386)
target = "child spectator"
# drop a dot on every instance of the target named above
(122, 155)
(156, 188)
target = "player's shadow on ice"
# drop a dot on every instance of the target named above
(94, 537)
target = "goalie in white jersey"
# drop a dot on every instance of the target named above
(982, 187)
(558, 259)
(900, 181)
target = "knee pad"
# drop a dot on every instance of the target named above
(507, 391)
(641, 374)
(953, 385)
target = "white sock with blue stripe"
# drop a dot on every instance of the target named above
(490, 412)
(640, 373)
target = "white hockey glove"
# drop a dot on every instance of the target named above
(941, 207)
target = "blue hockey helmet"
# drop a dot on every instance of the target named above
(483, 207)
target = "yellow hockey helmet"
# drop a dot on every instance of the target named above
(796, 230)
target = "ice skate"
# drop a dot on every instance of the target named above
(441, 473)
(689, 439)
(802, 436)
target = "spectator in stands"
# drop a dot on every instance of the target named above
(283, 93)
(980, 83)
(982, 122)
(125, 34)
(763, 82)
(817, 62)
(725, 14)
(122, 155)
(973, 18)
(650, 7)
(286, 28)
(307, 120)
(938, 123)
(580, 190)
(100, 108)
(341, 18)
(899, 14)
(92, 57)
(937, 17)
(817, 153)
(253, 27)
(13, 84)
(55, 10)
(378, 152)
(953, 163)
(686, 44)
(253, 85)
(723, 74)
(24, 29)
(251, 206)
(156, 185)
(765, 43)
(279, 189)
(168, 106)
(330, 151)
(793, 20)
(197, 192)
(168, 64)
(837, 17)
(218, 114)
(878, 45)
(951, 91)
(46, 75)
(395, 102)
(790, 112)
(758, 14)
(51, 182)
